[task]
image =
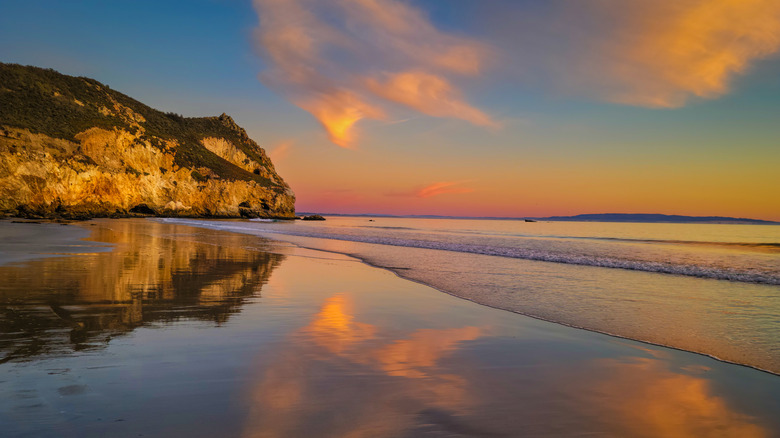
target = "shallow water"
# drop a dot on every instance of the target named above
(708, 288)
(740, 253)
(180, 331)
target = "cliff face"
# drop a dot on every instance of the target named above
(71, 147)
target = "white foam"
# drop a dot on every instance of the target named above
(605, 261)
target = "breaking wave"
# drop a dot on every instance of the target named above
(604, 261)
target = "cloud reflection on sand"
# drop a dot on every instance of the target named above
(653, 400)
(339, 376)
(305, 380)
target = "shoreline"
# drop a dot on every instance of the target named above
(332, 245)
(399, 272)
(396, 271)
(690, 272)
(302, 326)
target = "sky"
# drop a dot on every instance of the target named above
(511, 108)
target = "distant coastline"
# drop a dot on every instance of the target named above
(657, 218)
(601, 217)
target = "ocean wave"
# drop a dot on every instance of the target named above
(761, 246)
(663, 267)
(770, 247)
(757, 246)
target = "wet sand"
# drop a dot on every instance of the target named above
(28, 240)
(180, 331)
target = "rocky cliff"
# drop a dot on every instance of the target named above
(71, 147)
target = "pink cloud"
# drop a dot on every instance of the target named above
(435, 189)
(280, 150)
(441, 188)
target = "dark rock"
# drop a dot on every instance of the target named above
(248, 213)
(26, 212)
(142, 209)
(313, 217)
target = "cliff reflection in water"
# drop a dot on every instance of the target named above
(157, 274)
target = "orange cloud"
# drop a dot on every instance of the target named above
(441, 188)
(660, 54)
(428, 94)
(332, 59)
(338, 112)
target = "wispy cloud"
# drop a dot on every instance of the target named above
(348, 60)
(429, 94)
(436, 189)
(441, 188)
(280, 150)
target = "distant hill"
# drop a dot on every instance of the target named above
(624, 217)
(608, 217)
(72, 147)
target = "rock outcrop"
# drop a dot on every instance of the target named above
(71, 147)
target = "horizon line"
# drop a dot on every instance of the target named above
(556, 218)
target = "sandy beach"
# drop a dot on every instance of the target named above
(129, 328)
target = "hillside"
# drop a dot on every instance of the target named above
(71, 147)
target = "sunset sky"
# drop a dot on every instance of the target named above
(457, 107)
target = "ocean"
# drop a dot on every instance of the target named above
(712, 289)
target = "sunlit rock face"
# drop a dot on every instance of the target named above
(71, 147)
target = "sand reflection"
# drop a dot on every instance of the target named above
(654, 401)
(344, 378)
(413, 357)
(334, 328)
(340, 376)
(156, 274)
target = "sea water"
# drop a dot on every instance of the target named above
(708, 288)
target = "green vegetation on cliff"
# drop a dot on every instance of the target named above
(50, 116)
(60, 106)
